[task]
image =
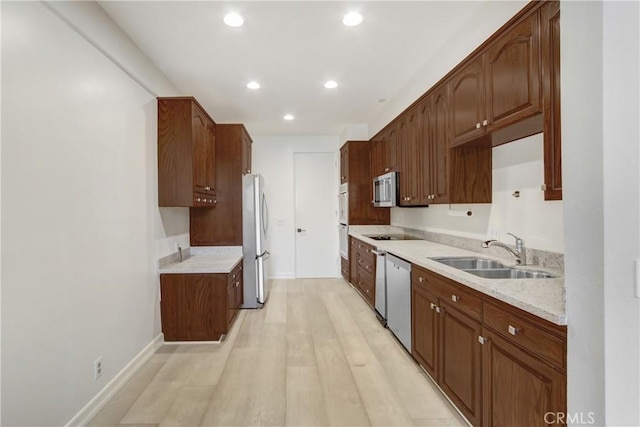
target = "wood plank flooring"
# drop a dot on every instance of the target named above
(314, 356)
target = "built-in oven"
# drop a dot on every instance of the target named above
(385, 190)
(343, 204)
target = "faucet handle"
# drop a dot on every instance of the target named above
(518, 240)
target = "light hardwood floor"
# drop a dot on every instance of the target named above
(315, 356)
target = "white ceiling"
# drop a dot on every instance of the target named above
(291, 48)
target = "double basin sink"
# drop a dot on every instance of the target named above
(490, 269)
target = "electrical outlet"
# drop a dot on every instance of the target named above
(97, 368)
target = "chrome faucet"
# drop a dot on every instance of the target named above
(520, 253)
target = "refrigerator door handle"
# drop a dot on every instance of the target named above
(265, 215)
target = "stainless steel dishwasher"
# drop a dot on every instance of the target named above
(399, 299)
(381, 286)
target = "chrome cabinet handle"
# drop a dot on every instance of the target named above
(420, 279)
(455, 298)
(485, 122)
(198, 199)
(482, 340)
(477, 125)
(433, 306)
(513, 330)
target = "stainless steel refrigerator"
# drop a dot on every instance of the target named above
(254, 241)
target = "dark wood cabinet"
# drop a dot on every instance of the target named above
(513, 78)
(246, 152)
(356, 167)
(498, 364)
(436, 140)
(500, 85)
(363, 269)
(344, 269)
(524, 368)
(223, 226)
(409, 148)
(186, 154)
(344, 164)
(199, 307)
(424, 331)
(467, 106)
(461, 363)
(550, 16)
(378, 149)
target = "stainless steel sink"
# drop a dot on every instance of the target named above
(490, 269)
(469, 263)
(508, 273)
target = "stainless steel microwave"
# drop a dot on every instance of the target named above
(385, 190)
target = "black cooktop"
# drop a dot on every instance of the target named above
(392, 237)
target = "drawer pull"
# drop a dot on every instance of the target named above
(433, 306)
(420, 279)
(482, 340)
(455, 298)
(513, 330)
(437, 309)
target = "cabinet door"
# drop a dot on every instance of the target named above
(246, 153)
(353, 260)
(200, 149)
(392, 150)
(424, 320)
(426, 151)
(551, 94)
(231, 301)
(210, 162)
(467, 106)
(513, 74)
(344, 164)
(378, 154)
(519, 389)
(441, 142)
(460, 361)
(408, 155)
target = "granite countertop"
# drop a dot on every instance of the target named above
(205, 260)
(544, 298)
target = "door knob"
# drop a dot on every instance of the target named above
(300, 230)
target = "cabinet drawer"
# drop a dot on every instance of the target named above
(367, 264)
(463, 300)
(367, 287)
(526, 334)
(236, 274)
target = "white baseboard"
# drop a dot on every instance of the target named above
(90, 410)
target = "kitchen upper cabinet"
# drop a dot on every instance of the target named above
(344, 164)
(391, 159)
(550, 15)
(500, 85)
(436, 139)
(378, 156)
(186, 154)
(513, 77)
(247, 142)
(409, 148)
(355, 170)
(467, 107)
(223, 226)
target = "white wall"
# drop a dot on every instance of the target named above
(517, 166)
(601, 161)
(273, 158)
(81, 230)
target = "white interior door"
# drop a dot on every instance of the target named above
(316, 215)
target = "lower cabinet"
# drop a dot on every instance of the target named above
(344, 268)
(499, 365)
(199, 307)
(363, 269)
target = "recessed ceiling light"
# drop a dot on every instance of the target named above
(233, 19)
(253, 85)
(288, 117)
(352, 19)
(331, 84)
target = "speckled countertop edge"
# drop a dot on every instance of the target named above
(544, 298)
(204, 260)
